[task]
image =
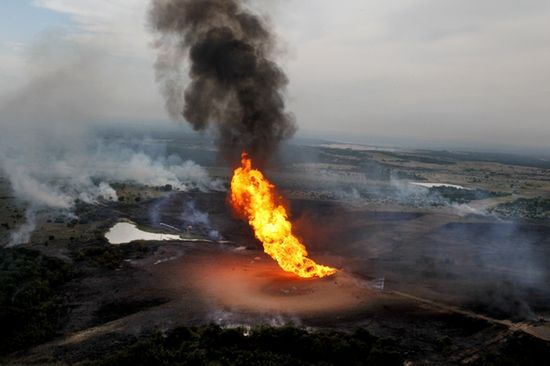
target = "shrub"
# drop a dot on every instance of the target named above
(212, 345)
(30, 306)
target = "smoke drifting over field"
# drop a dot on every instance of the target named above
(51, 153)
(235, 83)
(56, 177)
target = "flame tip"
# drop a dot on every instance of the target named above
(252, 197)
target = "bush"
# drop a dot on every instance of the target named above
(518, 350)
(212, 345)
(31, 308)
(106, 256)
(103, 256)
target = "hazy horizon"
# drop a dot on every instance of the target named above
(304, 135)
(424, 72)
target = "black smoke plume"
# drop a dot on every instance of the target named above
(234, 82)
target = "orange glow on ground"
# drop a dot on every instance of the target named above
(240, 283)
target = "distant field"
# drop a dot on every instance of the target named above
(448, 260)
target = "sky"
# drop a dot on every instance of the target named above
(459, 72)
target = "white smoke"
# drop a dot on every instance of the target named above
(23, 233)
(50, 149)
(195, 217)
(138, 167)
(58, 176)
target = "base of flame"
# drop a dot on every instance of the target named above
(240, 283)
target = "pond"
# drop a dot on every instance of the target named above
(126, 232)
(436, 185)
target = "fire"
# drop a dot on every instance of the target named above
(252, 197)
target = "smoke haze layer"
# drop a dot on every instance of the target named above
(54, 150)
(234, 82)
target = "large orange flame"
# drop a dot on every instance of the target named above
(252, 197)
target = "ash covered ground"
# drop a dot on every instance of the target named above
(443, 258)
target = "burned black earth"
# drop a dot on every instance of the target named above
(421, 279)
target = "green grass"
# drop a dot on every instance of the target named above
(457, 195)
(532, 208)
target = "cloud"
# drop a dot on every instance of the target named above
(113, 32)
(428, 20)
(468, 71)
(118, 26)
(462, 70)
